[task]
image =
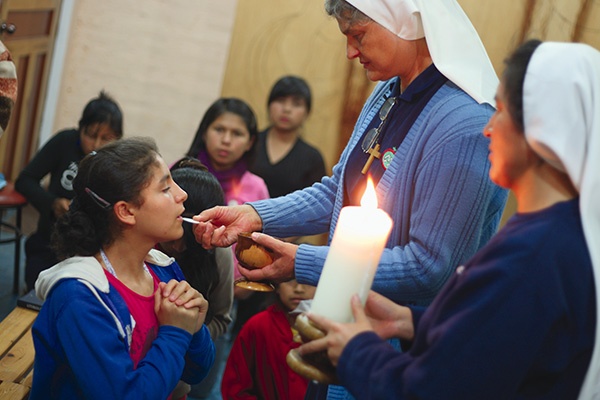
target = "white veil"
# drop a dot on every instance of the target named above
(561, 104)
(453, 42)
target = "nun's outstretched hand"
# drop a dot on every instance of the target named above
(219, 226)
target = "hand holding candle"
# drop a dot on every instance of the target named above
(358, 241)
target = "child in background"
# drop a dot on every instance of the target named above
(118, 321)
(208, 271)
(256, 367)
(283, 159)
(101, 122)
(226, 143)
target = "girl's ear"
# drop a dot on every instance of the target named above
(123, 212)
(251, 142)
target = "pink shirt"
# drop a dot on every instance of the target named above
(141, 309)
(250, 188)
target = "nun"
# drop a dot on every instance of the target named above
(418, 138)
(519, 319)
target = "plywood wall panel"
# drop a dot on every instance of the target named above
(499, 24)
(272, 38)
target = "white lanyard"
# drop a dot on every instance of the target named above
(110, 268)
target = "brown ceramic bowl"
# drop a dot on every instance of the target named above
(254, 286)
(251, 254)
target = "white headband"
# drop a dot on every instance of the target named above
(453, 42)
(561, 112)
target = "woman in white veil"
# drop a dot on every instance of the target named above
(519, 319)
(561, 102)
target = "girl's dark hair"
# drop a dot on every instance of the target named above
(218, 108)
(117, 171)
(103, 110)
(291, 86)
(513, 78)
(204, 191)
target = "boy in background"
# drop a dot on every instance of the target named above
(256, 367)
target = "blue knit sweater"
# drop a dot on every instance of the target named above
(436, 190)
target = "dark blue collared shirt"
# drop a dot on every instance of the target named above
(401, 118)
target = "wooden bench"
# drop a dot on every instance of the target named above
(16, 354)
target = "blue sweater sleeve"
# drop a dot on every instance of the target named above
(200, 357)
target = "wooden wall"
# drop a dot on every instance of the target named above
(276, 37)
(166, 62)
(272, 38)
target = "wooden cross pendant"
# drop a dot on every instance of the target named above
(374, 153)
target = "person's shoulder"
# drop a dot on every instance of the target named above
(307, 147)
(70, 292)
(261, 316)
(453, 114)
(64, 137)
(551, 235)
(453, 100)
(309, 152)
(224, 258)
(250, 179)
(259, 323)
(67, 133)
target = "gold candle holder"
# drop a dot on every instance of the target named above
(314, 366)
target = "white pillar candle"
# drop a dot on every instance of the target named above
(358, 241)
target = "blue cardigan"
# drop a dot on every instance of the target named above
(83, 332)
(436, 190)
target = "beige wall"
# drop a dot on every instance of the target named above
(163, 61)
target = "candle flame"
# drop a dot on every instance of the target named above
(369, 199)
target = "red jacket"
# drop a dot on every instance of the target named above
(256, 367)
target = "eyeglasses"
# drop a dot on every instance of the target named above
(373, 134)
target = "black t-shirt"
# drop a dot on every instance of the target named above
(300, 168)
